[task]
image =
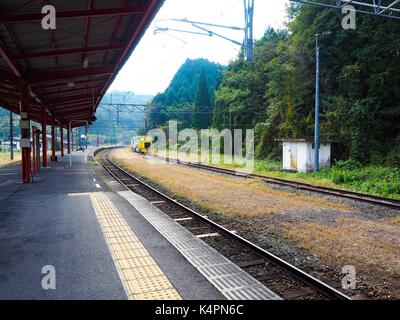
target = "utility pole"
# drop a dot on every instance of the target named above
(316, 135)
(317, 94)
(145, 120)
(248, 40)
(11, 136)
(232, 134)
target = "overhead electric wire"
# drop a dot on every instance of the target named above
(180, 48)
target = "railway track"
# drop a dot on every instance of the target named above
(376, 200)
(285, 279)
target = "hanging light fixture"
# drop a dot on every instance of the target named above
(86, 63)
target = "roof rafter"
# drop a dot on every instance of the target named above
(49, 93)
(64, 100)
(68, 108)
(114, 33)
(68, 51)
(76, 111)
(11, 64)
(68, 74)
(88, 23)
(23, 17)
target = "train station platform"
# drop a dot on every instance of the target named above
(77, 233)
(99, 246)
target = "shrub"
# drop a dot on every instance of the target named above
(348, 165)
(394, 155)
(338, 178)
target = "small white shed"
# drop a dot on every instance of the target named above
(6, 145)
(298, 155)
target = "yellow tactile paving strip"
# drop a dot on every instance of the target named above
(139, 273)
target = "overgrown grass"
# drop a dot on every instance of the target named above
(378, 180)
(219, 193)
(373, 179)
(5, 158)
(369, 245)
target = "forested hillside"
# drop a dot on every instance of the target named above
(191, 92)
(360, 86)
(275, 93)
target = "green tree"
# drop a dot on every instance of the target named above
(203, 111)
(179, 99)
(360, 86)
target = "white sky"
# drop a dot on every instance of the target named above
(156, 59)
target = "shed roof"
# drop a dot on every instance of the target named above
(69, 69)
(302, 140)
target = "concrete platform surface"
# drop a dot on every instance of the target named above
(70, 220)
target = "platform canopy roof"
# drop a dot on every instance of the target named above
(67, 70)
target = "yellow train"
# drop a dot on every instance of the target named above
(142, 144)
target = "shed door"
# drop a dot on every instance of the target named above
(293, 156)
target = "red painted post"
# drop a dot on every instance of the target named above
(25, 134)
(53, 145)
(53, 142)
(62, 140)
(34, 151)
(37, 151)
(44, 138)
(69, 140)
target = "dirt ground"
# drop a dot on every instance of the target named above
(320, 234)
(229, 195)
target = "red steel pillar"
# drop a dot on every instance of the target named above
(44, 138)
(69, 140)
(53, 145)
(34, 150)
(37, 151)
(25, 134)
(62, 140)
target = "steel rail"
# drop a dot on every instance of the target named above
(377, 200)
(297, 273)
